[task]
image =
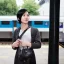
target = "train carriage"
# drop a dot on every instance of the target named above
(9, 23)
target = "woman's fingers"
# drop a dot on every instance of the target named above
(16, 43)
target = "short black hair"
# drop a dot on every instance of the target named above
(20, 13)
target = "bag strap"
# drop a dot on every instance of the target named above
(23, 33)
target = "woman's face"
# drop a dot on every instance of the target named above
(25, 18)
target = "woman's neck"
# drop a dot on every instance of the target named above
(24, 26)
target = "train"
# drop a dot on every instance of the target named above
(9, 23)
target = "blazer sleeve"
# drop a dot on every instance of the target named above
(37, 43)
(14, 38)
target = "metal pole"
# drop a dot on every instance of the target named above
(53, 56)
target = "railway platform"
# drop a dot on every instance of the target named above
(7, 54)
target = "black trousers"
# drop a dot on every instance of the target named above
(27, 61)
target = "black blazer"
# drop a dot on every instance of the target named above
(35, 41)
(35, 37)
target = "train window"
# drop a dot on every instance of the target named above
(30, 23)
(38, 22)
(5, 22)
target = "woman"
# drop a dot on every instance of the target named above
(31, 37)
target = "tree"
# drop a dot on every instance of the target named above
(8, 7)
(31, 6)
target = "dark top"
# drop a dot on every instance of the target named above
(35, 37)
(35, 41)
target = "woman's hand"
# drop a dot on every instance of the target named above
(16, 43)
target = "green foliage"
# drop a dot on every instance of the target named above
(8, 7)
(31, 6)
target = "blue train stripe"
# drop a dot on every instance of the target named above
(45, 24)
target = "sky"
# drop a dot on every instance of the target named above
(19, 2)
